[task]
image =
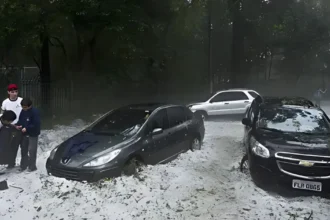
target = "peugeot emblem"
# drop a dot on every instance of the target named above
(65, 160)
(306, 163)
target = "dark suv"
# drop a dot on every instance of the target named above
(287, 142)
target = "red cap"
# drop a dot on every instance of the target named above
(12, 87)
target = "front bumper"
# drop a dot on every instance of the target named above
(82, 174)
(268, 173)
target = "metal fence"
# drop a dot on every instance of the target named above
(59, 97)
(28, 80)
(88, 97)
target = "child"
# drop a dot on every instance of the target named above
(10, 139)
(29, 123)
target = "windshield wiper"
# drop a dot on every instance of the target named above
(314, 133)
(271, 129)
(102, 133)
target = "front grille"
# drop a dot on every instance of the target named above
(307, 157)
(314, 171)
(68, 174)
(318, 167)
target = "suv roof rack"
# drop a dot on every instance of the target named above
(245, 89)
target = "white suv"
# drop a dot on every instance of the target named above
(226, 102)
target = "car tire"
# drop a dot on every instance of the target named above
(244, 165)
(202, 114)
(195, 144)
(131, 167)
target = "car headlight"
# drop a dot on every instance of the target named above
(106, 158)
(53, 152)
(260, 150)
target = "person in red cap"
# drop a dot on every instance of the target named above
(12, 103)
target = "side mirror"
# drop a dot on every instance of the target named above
(246, 122)
(157, 131)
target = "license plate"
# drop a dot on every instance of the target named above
(307, 185)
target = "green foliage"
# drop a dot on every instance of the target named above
(139, 39)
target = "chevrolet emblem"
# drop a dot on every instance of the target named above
(306, 163)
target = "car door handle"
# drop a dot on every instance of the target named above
(227, 103)
(247, 102)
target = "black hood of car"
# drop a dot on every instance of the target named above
(318, 144)
(86, 145)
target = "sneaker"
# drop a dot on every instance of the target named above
(32, 170)
(22, 169)
(10, 167)
(2, 170)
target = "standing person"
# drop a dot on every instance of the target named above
(10, 138)
(318, 96)
(12, 103)
(29, 122)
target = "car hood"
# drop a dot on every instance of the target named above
(84, 146)
(296, 143)
(196, 103)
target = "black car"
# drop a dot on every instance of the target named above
(287, 143)
(116, 143)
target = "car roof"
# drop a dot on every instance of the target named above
(236, 89)
(286, 101)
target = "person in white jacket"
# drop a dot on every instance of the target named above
(13, 102)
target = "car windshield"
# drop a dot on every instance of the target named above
(298, 120)
(122, 122)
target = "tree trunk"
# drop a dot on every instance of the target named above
(85, 62)
(45, 75)
(211, 83)
(80, 55)
(237, 59)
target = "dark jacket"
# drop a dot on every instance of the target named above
(30, 120)
(10, 138)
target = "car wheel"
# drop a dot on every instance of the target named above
(130, 167)
(202, 114)
(195, 144)
(244, 165)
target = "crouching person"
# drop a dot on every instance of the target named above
(10, 139)
(29, 123)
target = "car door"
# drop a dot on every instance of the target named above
(231, 102)
(238, 102)
(218, 104)
(178, 135)
(156, 146)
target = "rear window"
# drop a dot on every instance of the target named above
(253, 94)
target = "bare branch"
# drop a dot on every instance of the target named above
(60, 44)
(37, 63)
